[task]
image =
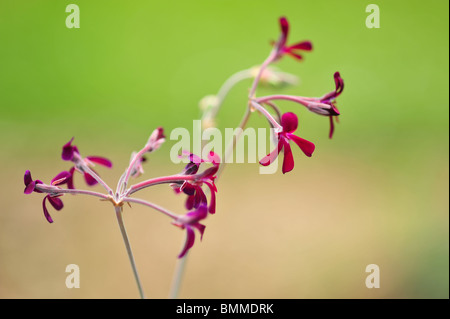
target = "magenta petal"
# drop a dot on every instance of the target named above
(190, 239)
(305, 45)
(212, 204)
(190, 202)
(306, 146)
(27, 179)
(200, 228)
(295, 55)
(330, 135)
(70, 184)
(100, 160)
(188, 188)
(30, 187)
(339, 83)
(61, 178)
(289, 121)
(90, 180)
(288, 161)
(270, 158)
(46, 214)
(67, 153)
(56, 202)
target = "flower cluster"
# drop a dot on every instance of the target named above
(190, 182)
(197, 180)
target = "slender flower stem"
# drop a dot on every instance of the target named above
(136, 158)
(264, 112)
(56, 190)
(149, 204)
(88, 170)
(226, 88)
(236, 137)
(269, 60)
(178, 276)
(159, 180)
(298, 99)
(129, 251)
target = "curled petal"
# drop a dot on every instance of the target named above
(288, 160)
(190, 202)
(100, 160)
(339, 83)
(190, 239)
(46, 213)
(306, 146)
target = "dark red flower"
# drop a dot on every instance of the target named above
(70, 153)
(289, 122)
(189, 222)
(292, 50)
(196, 195)
(330, 99)
(54, 200)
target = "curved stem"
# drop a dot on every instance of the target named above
(129, 251)
(159, 180)
(264, 112)
(269, 60)
(151, 205)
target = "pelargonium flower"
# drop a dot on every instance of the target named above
(291, 50)
(289, 122)
(196, 195)
(70, 153)
(190, 221)
(326, 105)
(54, 200)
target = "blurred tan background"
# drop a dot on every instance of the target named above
(375, 194)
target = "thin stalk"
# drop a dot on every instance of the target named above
(178, 276)
(129, 251)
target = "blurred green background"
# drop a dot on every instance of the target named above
(376, 193)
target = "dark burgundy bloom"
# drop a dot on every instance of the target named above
(330, 99)
(189, 222)
(70, 153)
(291, 50)
(196, 195)
(54, 200)
(289, 122)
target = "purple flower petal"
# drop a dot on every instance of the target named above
(190, 239)
(46, 214)
(27, 178)
(68, 149)
(30, 187)
(70, 184)
(330, 135)
(306, 146)
(100, 160)
(305, 45)
(190, 202)
(288, 161)
(289, 121)
(339, 83)
(56, 202)
(61, 178)
(200, 228)
(89, 179)
(212, 204)
(188, 188)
